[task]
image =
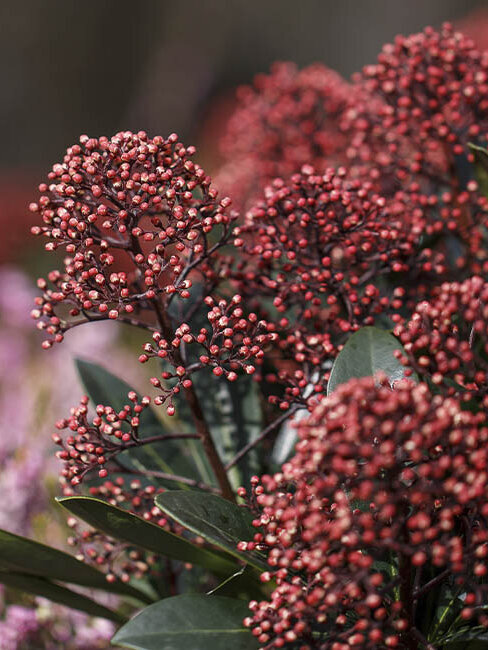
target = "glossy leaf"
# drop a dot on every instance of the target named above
(189, 622)
(468, 639)
(367, 352)
(169, 456)
(287, 438)
(127, 527)
(58, 594)
(218, 521)
(22, 555)
(233, 414)
(448, 604)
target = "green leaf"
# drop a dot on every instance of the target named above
(367, 351)
(218, 521)
(127, 527)
(233, 413)
(462, 635)
(475, 638)
(22, 555)
(189, 622)
(169, 456)
(448, 604)
(58, 594)
(480, 166)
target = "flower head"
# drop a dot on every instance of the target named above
(288, 118)
(446, 337)
(421, 104)
(137, 218)
(313, 248)
(385, 484)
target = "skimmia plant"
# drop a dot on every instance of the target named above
(309, 467)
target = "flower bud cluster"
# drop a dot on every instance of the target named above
(93, 446)
(315, 247)
(379, 475)
(232, 342)
(446, 338)
(423, 101)
(137, 218)
(288, 118)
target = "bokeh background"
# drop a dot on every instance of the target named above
(69, 67)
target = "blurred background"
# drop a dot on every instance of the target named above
(97, 67)
(68, 68)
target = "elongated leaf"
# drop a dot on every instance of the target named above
(58, 594)
(125, 526)
(287, 438)
(218, 521)
(248, 417)
(469, 639)
(22, 555)
(367, 351)
(189, 622)
(234, 417)
(169, 456)
(448, 605)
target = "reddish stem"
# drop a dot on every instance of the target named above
(199, 421)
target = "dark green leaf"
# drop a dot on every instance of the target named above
(218, 521)
(22, 555)
(448, 604)
(233, 413)
(58, 594)
(481, 167)
(189, 622)
(287, 439)
(463, 636)
(244, 584)
(468, 639)
(367, 351)
(125, 526)
(169, 456)
(468, 644)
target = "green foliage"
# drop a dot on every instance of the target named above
(47, 589)
(367, 352)
(127, 527)
(448, 604)
(466, 638)
(233, 414)
(218, 521)
(25, 556)
(189, 622)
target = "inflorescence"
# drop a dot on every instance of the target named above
(359, 206)
(387, 489)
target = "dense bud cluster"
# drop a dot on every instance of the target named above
(429, 93)
(378, 476)
(316, 244)
(137, 219)
(446, 338)
(232, 342)
(289, 118)
(92, 446)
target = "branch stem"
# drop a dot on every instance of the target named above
(199, 421)
(271, 427)
(170, 477)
